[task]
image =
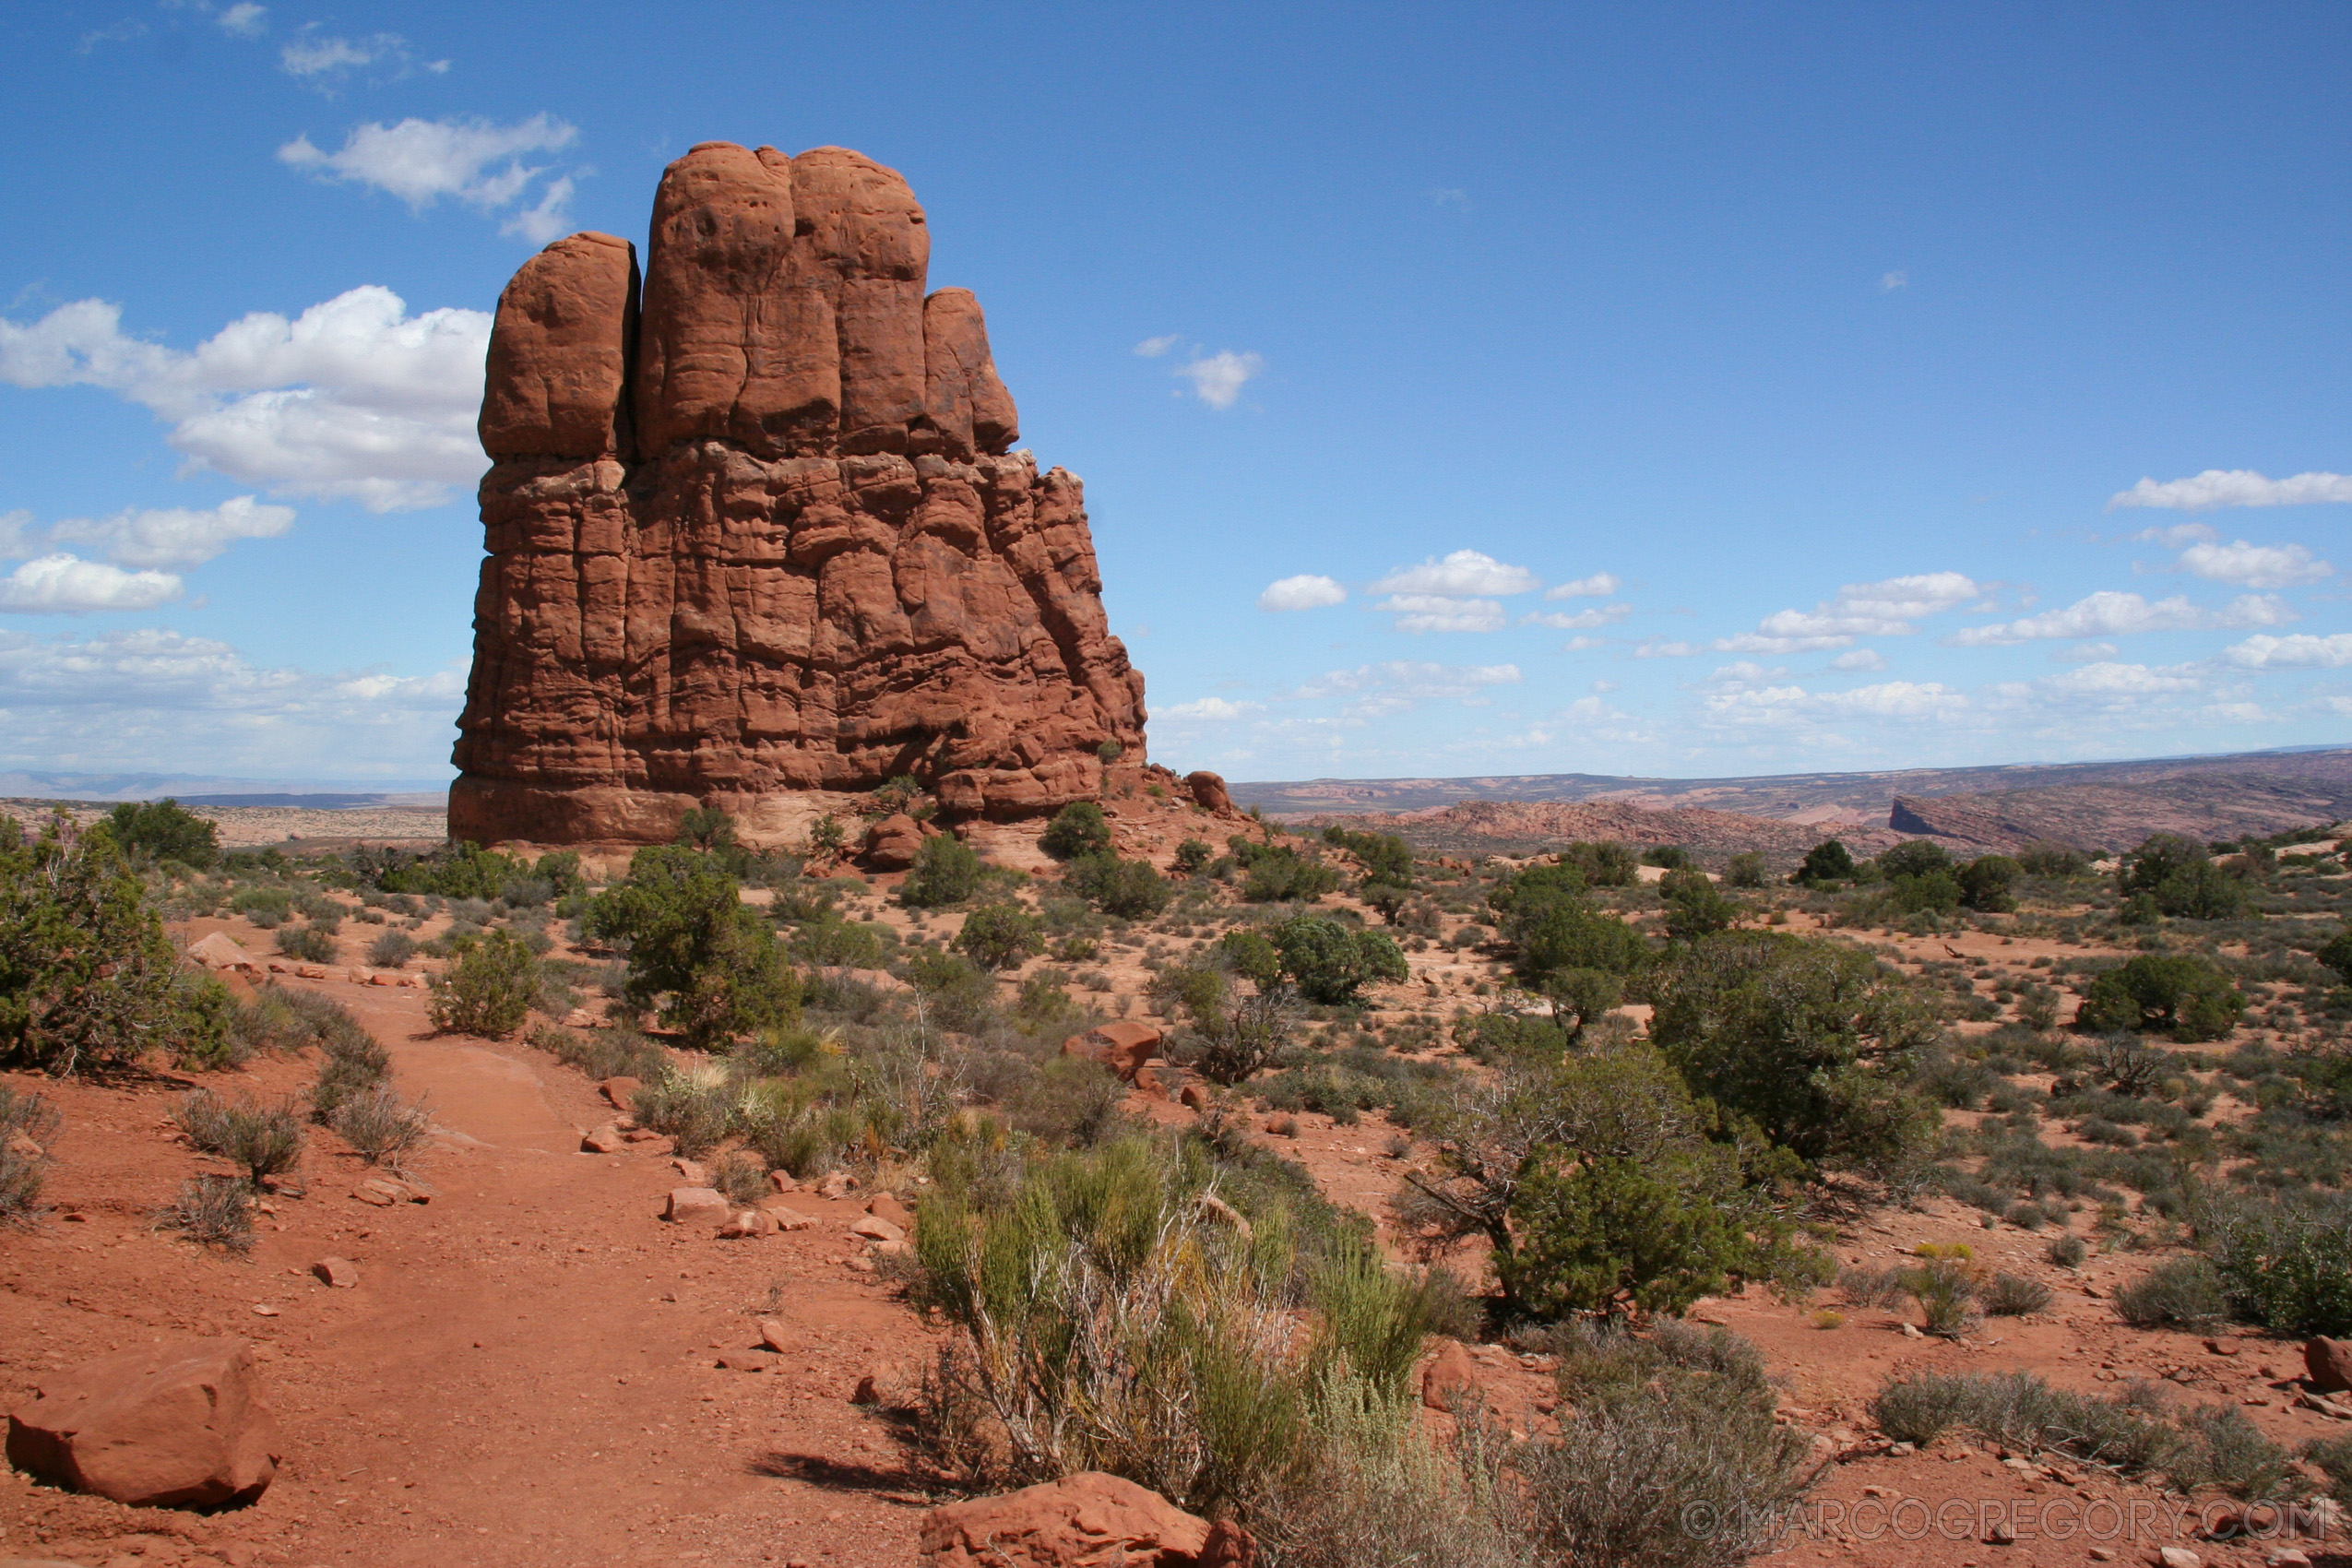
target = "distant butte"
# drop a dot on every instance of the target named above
(757, 531)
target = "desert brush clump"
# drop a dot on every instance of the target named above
(381, 1126)
(28, 1123)
(266, 1140)
(488, 990)
(212, 1211)
(710, 964)
(2126, 1432)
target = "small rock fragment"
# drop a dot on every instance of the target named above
(340, 1273)
(774, 1334)
(606, 1139)
(867, 1392)
(748, 1222)
(874, 1229)
(696, 1205)
(885, 1207)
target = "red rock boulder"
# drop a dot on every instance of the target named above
(1122, 1047)
(892, 843)
(1208, 791)
(1449, 1376)
(172, 1426)
(1088, 1520)
(2329, 1364)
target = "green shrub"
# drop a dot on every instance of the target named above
(1986, 882)
(1078, 828)
(87, 976)
(28, 1123)
(999, 936)
(960, 994)
(1575, 937)
(356, 1064)
(1130, 890)
(603, 1054)
(1745, 870)
(164, 830)
(1669, 857)
(1070, 1101)
(306, 942)
(2022, 1412)
(2179, 875)
(381, 1126)
(1694, 908)
(1811, 1041)
(1227, 1037)
(452, 870)
(2186, 997)
(1682, 1467)
(695, 1110)
(2285, 1263)
(2224, 1452)
(709, 964)
(1279, 873)
(2066, 1251)
(834, 943)
(264, 1139)
(1827, 863)
(946, 871)
(392, 950)
(2011, 1296)
(1947, 1292)
(740, 1178)
(1605, 864)
(488, 990)
(2182, 1293)
(2045, 858)
(2334, 1457)
(1193, 856)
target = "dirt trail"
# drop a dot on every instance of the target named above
(525, 1374)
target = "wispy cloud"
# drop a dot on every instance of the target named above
(1890, 281)
(1394, 685)
(1152, 348)
(1860, 659)
(1419, 613)
(1584, 621)
(1600, 585)
(423, 160)
(244, 21)
(2235, 487)
(1308, 590)
(177, 536)
(2111, 614)
(1885, 609)
(1208, 708)
(1218, 378)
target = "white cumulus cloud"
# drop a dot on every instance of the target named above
(423, 160)
(2235, 487)
(2256, 566)
(1860, 659)
(244, 19)
(550, 219)
(1600, 585)
(2111, 614)
(1462, 572)
(176, 535)
(354, 399)
(1308, 590)
(1152, 348)
(1218, 378)
(1394, 685)
(2302, 651)
(67, 585)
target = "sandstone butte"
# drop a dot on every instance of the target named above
(757, 531)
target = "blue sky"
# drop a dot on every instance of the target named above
(1460, 389)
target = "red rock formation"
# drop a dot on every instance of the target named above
(765, 534)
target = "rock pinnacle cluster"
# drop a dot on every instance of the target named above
(755, 529)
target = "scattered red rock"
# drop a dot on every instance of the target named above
(1086, 1519)
(620, 1092)
(341, 1274)
(179, 1426)
(1124, 1047)
(1209, 792)
(1449, 1376)
(606, 1139)
(887, 1206)
(696, 1205)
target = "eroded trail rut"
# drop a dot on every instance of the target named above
(526, 1373)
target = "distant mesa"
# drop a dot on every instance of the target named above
(757, 531)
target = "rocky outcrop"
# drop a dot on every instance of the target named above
(1088, 1520)
(176, 1426)
(756, 527)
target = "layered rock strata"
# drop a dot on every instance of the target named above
(755, 529)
